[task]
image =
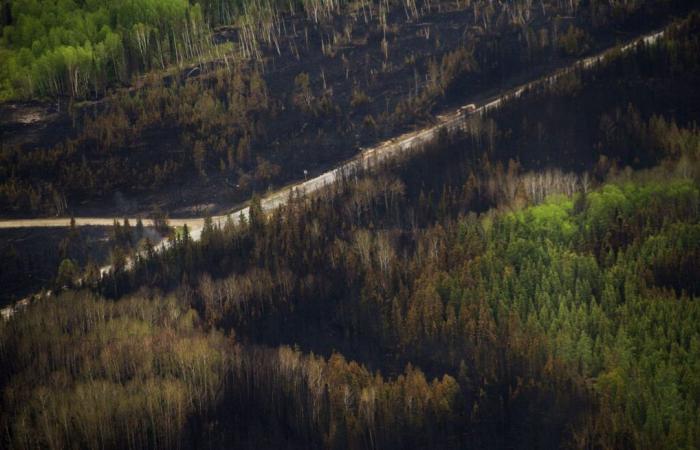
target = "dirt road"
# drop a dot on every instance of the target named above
(366, 159)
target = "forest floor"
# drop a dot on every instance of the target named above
(298, 144)
(410, 141)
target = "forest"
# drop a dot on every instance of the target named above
(75, 48)
(530, 281)
(81, 48)
(163, 104)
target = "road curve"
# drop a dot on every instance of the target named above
(366, 159)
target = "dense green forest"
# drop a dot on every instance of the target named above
(74, 47)
(208, 116)
(478, 294)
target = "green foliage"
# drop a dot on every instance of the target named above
(67, 273)
(551, 220)
(69, 48)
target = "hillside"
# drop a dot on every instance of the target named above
(527, 281)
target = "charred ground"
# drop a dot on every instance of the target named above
(206, 138)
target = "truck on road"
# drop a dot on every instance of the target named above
(467, 109)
